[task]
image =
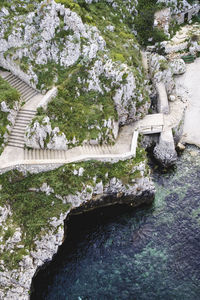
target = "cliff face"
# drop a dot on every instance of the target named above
(33, 209)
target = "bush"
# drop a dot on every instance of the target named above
(144, 22)
(158, 35)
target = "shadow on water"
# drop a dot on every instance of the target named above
(124, 253)
(82, 231)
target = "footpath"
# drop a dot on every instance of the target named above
(15, 154)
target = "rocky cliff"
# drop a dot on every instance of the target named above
(93, 58)
(33, 209)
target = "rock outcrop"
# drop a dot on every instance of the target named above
(176, 5)
(164, 151)
(41, 135)
(178, 66)
(161, 72)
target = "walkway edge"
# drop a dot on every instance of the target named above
(32, 164)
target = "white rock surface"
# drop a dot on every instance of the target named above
(37, 134)
(162, 72)
(34, 39)
(178, 66)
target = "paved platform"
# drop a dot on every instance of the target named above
(189, 83)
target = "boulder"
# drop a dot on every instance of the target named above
(178, 66)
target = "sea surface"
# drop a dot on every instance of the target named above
(148, 253)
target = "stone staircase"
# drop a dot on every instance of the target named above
(23, 88)
(41, 154)
(16, 138)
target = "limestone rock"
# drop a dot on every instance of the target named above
(37, 134)
(194, 48)
(164, 151)
(161, 72)
(178, 66)
(172, 98)
(180, 147)
(46, 189)
(177, 6)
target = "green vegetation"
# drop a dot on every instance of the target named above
(144, 22)
(9, 95)
(80, 115)
(121, 42)
(32, 209)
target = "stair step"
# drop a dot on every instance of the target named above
(15, 83)
(8, 76)
(16, 146)
(12, 80)
(14, 135)
(27, 110)
(24, 88)
(22, 119)
(26, 114)
(25, 118)
(16, 143)
(20, 122)
(27, 93)
(18, 84)
(21, 126)
(18, 127)
(31, 96)
(16, 140)
(17, 131)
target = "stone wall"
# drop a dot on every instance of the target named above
(162, 104)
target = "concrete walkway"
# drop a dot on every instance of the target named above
(125, 147)
(189, 85)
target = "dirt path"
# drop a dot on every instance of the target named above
(188, 85)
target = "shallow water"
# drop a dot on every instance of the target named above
(145, 253)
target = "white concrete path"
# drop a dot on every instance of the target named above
(189, 85)
(124, 148)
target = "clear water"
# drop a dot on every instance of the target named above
(146, 253)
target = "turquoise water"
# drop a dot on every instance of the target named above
(146, 253)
